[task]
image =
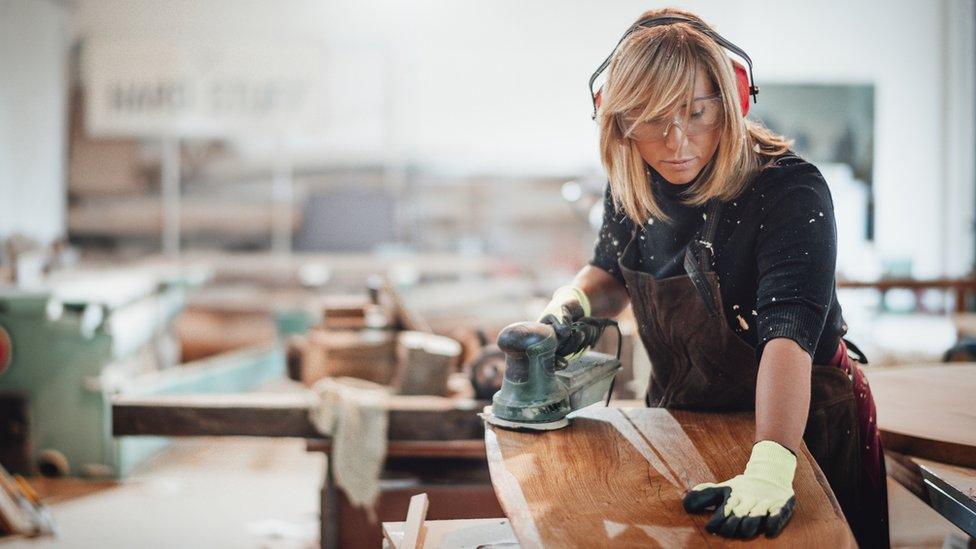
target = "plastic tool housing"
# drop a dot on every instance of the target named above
(536, 393)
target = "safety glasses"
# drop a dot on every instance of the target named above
(705, 116)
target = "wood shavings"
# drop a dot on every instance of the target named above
(742, 322)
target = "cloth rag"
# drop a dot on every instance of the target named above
(353, 412)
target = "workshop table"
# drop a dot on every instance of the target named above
(616, 476)
(927, 419)
(435, 445)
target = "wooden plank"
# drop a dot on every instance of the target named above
(456, 534)
(962, 479)
(927, 411)
(413, 532)
(616, 477)
(905, 471)
(949, 489)
(952, 492)
(452, 501)
(463, 449)
(244, 414)
(283, 415)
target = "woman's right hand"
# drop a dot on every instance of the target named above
(567, 305)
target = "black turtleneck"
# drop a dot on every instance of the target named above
(775, 252)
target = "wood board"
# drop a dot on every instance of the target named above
(615, 477)
(283, 414)
(456, 534)
(928, 411)
(948, 489)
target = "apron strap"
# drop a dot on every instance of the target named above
(859, 355)
(698, 258)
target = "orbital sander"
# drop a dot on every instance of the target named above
(547, 376)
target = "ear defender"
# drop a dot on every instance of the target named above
(744, 81)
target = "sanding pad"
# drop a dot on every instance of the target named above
(522, 426)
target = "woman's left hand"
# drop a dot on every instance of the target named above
(760, 500)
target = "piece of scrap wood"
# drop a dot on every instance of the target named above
(413, 537)
(457, 533)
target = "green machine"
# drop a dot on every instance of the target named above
(67, 349)
(546, 378)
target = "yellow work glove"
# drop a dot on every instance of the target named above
(568, 304)
(760, 500)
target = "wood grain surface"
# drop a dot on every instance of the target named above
(615, 477)
(928, 411)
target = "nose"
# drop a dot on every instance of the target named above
(674, 136)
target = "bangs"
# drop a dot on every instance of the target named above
(651, 75)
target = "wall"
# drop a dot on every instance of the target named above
(499, 87)
(34, 42)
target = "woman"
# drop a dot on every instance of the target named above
(724, 243)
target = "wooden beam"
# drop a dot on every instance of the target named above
(283, 415)
(452, 449)
(246, 414)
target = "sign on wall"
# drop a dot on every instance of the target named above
(192, 89)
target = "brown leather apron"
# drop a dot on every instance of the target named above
(698, 362)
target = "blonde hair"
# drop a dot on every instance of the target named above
(653, 71)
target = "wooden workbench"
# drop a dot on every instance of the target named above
(616, 477)
(927, 419)
(432, 440)
(928, 410)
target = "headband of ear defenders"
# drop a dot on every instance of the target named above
(751, 88)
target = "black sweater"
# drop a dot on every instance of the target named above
(775, 252)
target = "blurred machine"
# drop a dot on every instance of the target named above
(67, 348)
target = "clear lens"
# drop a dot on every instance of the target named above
(705, 115)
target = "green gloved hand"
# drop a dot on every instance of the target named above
(761, 499)
(568, 304)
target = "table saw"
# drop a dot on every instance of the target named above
(69, 346)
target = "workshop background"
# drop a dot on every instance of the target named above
(245, 197)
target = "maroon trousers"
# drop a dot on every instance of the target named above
(868, 512)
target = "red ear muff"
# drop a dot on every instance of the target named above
(742, 83)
